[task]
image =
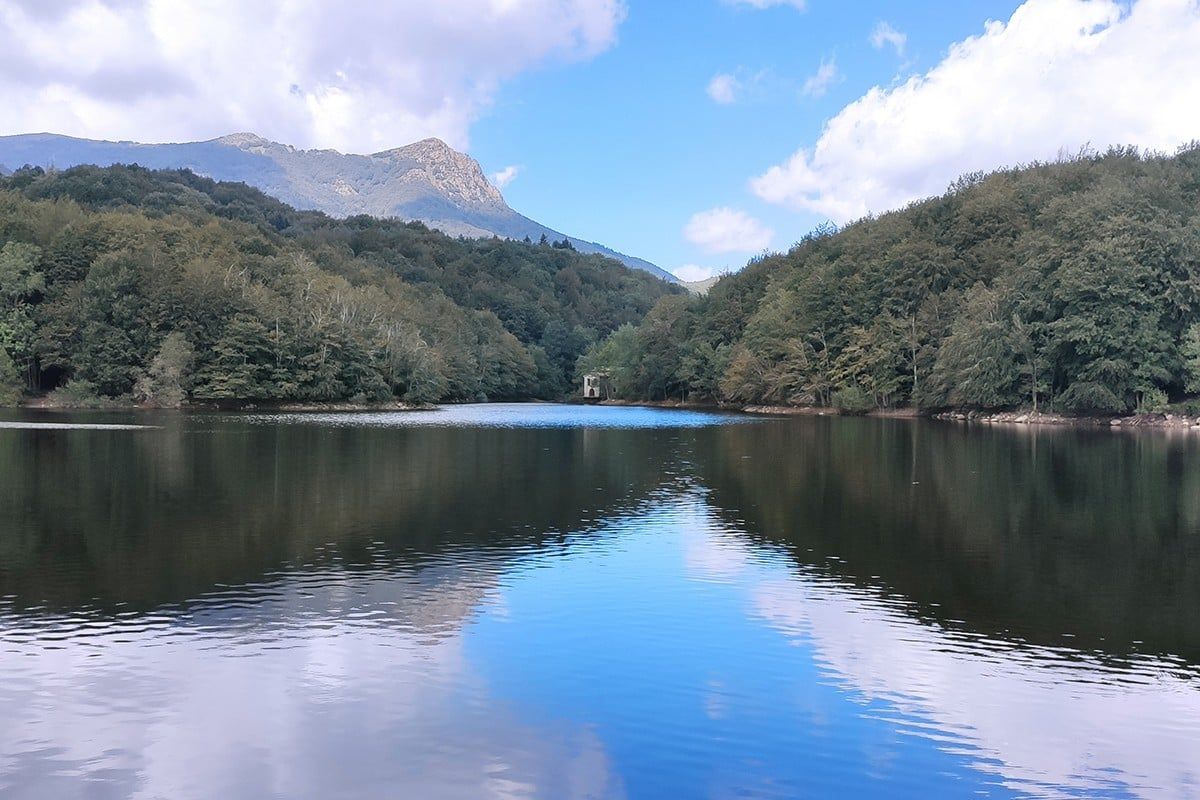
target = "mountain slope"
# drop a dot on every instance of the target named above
(109, 271)
(426, 181)
(1068, 286)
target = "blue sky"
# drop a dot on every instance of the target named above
(692, 134)
(625, 148)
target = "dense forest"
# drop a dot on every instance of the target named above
(163, 287)
(1071, 286)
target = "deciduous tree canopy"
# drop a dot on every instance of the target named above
(165, 286)
(1074, 284)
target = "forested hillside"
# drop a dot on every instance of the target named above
(1073, 286)
(164, 286)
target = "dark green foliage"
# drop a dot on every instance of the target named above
(853, 399)
(163, 285)
(114, 333)
(10, 381)
(1074, 284)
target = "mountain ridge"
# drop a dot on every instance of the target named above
(425, 180)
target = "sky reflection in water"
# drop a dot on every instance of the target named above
(553, 612)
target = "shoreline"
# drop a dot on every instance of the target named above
(41, 404)
(1156, 421)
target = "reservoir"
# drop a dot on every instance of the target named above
(545, 601)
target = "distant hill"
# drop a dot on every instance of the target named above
(427, 181)
(113, 274)
(1071, 286)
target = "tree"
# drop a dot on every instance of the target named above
(1191, 358)
(10, 381)
(1070, 284)
(619, 356)
(702, 368)
(243, 362)
(115, 337)
(979, 363)
(21, 284)
(338, 301)
(874, 359)
(745, 378)
(164, 384)
(1110, 340)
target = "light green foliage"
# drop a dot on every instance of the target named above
(164, 384)
(618, 355)
(853, 399)
(745, 378)
(1152, 400)
(80, 393)
(20, 278)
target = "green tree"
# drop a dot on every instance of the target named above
(115, 337)
(979, 364)
(874, 359)
(1110, 341)
(21, 284)
(243, 363)
(619, 355)
(165, 383)
(10, 381)
(702, 368)
(1191, 358)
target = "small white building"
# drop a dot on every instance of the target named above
(596, 386)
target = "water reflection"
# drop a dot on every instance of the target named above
(281, 607)
(1088, 540)
(1044, 721)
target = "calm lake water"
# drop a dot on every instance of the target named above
(570, 602)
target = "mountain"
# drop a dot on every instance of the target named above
(427, 181)
(702, 286)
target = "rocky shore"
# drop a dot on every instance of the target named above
(1168, 420)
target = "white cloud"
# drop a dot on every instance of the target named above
(357, 75)
(695, 272)
(819, 82)
(799, 5)
(505, 176)
(742, 84)
(726, 230)
(1060, 74)
(723, 88)
(884, 34)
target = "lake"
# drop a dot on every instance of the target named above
(592, 602)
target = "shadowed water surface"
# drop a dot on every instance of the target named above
(554, 601)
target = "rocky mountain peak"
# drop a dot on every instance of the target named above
(450, 172)
(426, 180)
(250, 142)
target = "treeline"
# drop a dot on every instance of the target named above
(1072, 286)
(163, 287)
